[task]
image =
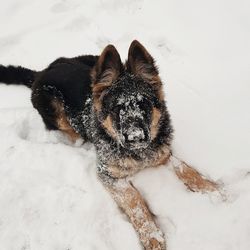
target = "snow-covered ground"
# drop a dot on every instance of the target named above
(50, 198)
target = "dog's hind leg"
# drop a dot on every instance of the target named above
(53, 113)
(62, 121)
(193, 180)
(131, 202)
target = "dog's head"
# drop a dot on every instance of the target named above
(128, 99)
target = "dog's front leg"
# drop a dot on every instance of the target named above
(131, 202)
(193, 180)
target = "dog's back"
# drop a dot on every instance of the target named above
(68, 79)
(59, 91)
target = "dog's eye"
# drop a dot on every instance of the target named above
(144, 105)
(116, 108)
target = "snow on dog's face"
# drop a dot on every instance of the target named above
(129, 104)
(127, 99)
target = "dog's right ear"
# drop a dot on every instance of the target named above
(142, 64)
(107, 69)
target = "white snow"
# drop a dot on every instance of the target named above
(50, 197)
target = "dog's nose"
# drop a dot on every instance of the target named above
(135, 135)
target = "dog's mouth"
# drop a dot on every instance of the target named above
(135, 145)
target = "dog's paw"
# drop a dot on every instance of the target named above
(194, 180)
(156, 241)
(155, 244)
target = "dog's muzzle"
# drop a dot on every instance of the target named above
(135, 136)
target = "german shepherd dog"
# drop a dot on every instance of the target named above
(121, 109)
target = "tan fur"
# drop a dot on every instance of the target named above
(163, 159)
(97, 104)
(99, 87)
(123, 192)
(161, 94)
(140, 69)
(108, 125)
(62, 121)
(155, 81)
(109, 75)
(193, 180)
(141, 64)
(98, 91)
(156, 115)
(132, 203)
(124, 167)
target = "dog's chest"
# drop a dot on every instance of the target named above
(121, 167)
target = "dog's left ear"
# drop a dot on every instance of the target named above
(142, 64)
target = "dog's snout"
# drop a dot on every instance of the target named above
(133, 132)
(134, 135)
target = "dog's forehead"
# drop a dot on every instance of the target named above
(130, 90)
(128, 98)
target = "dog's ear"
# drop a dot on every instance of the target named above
(107, 69)
(142, 64)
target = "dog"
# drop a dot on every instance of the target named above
(121, 109)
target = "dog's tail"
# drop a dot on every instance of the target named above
(17, 75)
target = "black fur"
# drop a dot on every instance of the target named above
(67, 79)
(72, 81)
(17, 75)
